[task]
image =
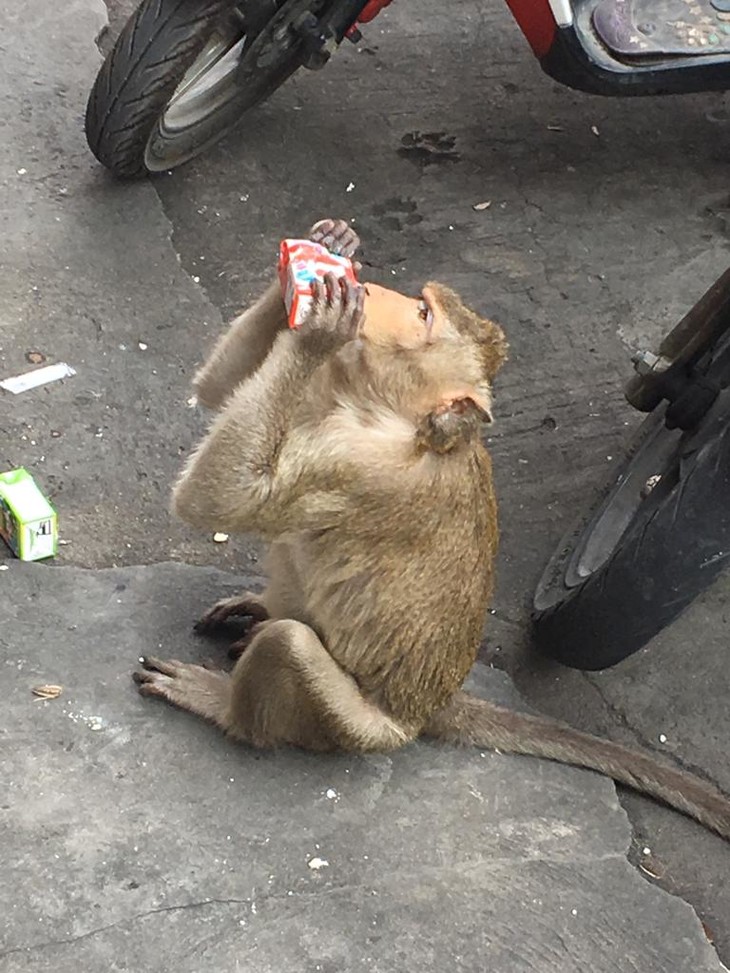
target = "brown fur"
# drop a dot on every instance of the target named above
(361, 461)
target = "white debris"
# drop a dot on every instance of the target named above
(22, 172)
(594, 129)
(662, 738)
(574, 912)
(4, 567)
(482, 206)
(142, 345)
(39, 376)
(92, 722)
(646, 851)
(220, 538)
(350, 187)
(316, 863)
(192, 401)
(331, 794)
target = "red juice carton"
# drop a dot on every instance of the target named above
(301, 262)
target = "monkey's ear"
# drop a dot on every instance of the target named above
(455, 421)
(474, 403)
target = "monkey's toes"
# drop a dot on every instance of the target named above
(337, 235)
(166, 667)
(237, 648)
(152, 680)
(208, 622)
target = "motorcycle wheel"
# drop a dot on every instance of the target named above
(658, 536)
(172, 85)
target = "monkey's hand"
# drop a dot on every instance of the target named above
(336, 313)
(337, 235)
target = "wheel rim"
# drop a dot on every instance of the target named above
(651, 473)
(206, 83)
(206, 86)
(646, 478)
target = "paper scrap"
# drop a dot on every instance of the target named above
(39, 376)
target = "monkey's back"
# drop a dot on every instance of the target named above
(397, 590)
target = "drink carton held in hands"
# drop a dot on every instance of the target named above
(301, 262)
(28, 522)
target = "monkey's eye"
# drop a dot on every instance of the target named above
(425, 313)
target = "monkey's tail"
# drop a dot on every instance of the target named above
(470, 720)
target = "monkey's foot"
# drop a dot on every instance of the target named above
(240, 606)
(202, 691)
(337, 235)
(237, 648)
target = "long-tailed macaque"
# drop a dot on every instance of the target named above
(353, 444)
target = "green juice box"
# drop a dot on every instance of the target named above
(28, 522)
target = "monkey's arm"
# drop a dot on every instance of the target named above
(242, 349)
(254, 470)
(250, 337)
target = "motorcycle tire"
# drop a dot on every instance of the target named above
(170, 88)
(658, 537)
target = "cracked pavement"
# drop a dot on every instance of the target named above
(139, 839)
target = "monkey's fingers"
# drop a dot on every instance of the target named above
(320, 231)
(319, 293)
(345, 241)
(333, 290)
(337, 235)
(358, 309)
(352, 298)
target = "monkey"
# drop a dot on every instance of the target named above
(354, 445)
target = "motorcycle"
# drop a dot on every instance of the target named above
(183, 72)
(659, 534)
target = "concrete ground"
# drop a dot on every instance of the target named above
(137, 839)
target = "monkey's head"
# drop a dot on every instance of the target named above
(457, 352)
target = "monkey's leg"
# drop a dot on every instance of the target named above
(205, 692)
(246, 604)
(469, 720)
(242, 348)
(287, 689)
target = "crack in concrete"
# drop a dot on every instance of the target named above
(644, 741)
(121, 922)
